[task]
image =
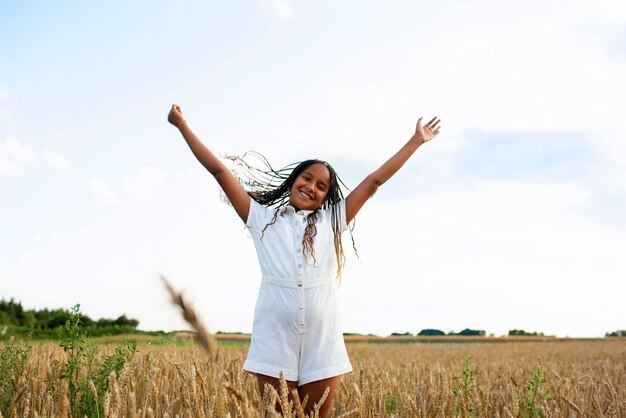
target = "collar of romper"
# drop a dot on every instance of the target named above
(290, 210)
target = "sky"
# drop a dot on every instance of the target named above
(512, 218)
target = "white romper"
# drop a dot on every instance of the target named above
(296, 326)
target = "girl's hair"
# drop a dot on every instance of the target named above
(272, 188)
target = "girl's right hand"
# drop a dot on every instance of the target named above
(175, 116)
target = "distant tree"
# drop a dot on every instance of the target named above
(468, 331)
(13, 309)
(28, 319)
(41, 316)
(126, 322)
(57, 318)
(45, 320)
(5, 319)
(431, 332)
(86, 321)
(521, 332)
(618, 333)
(105, 322)
(405, 334)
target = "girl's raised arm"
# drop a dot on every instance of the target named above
(234, 191)
(357, 198)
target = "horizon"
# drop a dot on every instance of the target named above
(473, 332)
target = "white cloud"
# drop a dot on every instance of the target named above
(145, 182)
(10, 148)
(599, 11)
(105, 196)
(11, 154)
(10, 168)
(283, 8)
(56, 160)
(3, 93)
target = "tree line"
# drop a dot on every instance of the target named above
(512, 333)
(434, 332)
(46, 322)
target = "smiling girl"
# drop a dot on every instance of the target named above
(296, 217)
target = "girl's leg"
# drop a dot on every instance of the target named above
(263, 379)
(315, 390)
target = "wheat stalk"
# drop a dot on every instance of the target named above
(202, 335)
(318, 405)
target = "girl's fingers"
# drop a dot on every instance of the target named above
(431, 121)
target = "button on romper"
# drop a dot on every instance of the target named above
(296, 326)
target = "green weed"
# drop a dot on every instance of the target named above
(392, 402)
(465, 390)
(12, 367)
(529, 399)
(84, 366)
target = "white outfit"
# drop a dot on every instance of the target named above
(296, 326)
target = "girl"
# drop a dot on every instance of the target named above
(300, 251)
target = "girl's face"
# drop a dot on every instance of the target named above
(310, 188)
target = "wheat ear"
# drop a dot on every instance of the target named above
(202, 335)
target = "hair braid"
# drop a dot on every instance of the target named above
(272, 188)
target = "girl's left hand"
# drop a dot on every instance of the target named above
(427, 132)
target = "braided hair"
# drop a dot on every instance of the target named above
(272, 188)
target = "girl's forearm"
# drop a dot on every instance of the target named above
(392, 165)
(202, 153)
(357, 197)
(235, 193)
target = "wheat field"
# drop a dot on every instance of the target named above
(578, 379)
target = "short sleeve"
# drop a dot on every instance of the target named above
(257, 214)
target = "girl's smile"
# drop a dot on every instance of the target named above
(310, 188)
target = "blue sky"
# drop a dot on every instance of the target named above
(512, 218)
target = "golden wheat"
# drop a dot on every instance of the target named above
(416, 380)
